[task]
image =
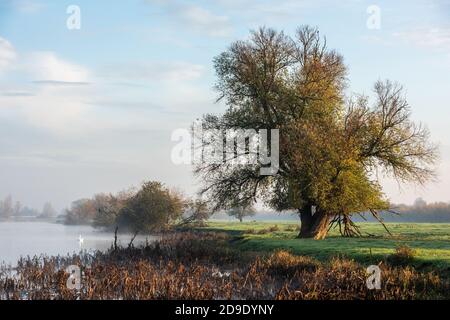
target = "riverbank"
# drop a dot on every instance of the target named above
(209, 265)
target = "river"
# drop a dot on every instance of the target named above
(35, 238)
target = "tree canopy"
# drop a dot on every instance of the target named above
(152, 208)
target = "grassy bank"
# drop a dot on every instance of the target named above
(431, 242)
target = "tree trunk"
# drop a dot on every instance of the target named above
(313, 225)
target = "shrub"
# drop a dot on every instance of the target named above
(268, 230)
(153, 208)
(290, 229)
(284, 263)
(403, 255)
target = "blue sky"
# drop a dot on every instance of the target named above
(92, 110)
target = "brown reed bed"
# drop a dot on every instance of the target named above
(201, 265)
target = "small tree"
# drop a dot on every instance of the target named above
(242, 211)
(17, 209)
(152, 208)
(196, 211)
(420, 203)
(108, 208)
(6, 207)
(81, 212)
(48, 211)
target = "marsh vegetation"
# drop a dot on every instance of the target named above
(202, 264)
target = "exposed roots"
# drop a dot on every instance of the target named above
(347, 228)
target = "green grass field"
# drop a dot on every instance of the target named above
(431, 242)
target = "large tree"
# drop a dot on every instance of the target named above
(331, 146)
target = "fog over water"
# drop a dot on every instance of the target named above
(35, 238)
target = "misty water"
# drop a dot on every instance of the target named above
(35, 238)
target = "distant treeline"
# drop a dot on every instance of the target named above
(10, 209)
(154, 207)
(420, 211)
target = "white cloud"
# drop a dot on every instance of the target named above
(27, 6)
(7, 55)
(206, 21)
(67, 99)
(186, 100)
(154, 71)
(47, 67)
(196, 17)
(269, 13)
(59, 109)
(438, 38)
